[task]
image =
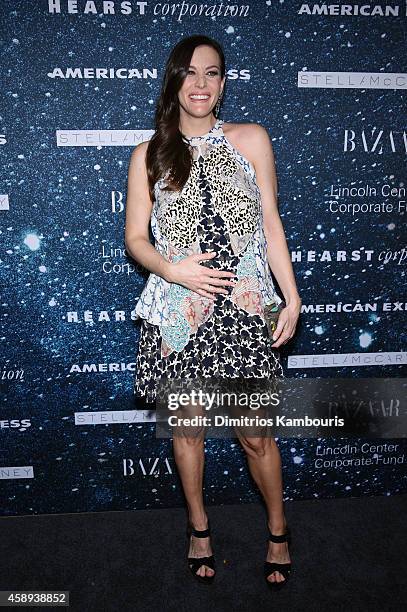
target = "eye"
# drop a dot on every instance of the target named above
(191, 71)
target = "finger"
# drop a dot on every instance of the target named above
(203, 256)
(283, 339)
(221, 273)
(280, 333)
(277, 343)
(204, 293)
(212, 288)
(281, 325)
(219, 281)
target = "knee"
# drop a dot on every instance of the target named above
(190, 440)
(255, 447)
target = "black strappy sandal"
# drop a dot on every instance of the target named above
(271, 566)
(195, 563)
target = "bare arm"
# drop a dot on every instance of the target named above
(138, 213)
(278, 255)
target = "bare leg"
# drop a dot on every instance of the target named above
(190, 457)
(264, 460)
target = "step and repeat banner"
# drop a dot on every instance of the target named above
(79, 87)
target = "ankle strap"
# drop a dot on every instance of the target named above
(203, 533)
(200, 534)
(279, 538)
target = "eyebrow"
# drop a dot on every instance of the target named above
(213, 66)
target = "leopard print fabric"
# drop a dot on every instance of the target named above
(235, 198)
(227, 337)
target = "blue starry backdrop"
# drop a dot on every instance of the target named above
(68, 336)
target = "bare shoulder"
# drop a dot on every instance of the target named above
(250, 139)
(138, 157)
(244, 129)
(139, 152)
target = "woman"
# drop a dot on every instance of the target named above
(204, 184)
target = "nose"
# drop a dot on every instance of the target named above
(201, 80)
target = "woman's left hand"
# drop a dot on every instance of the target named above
(287, 322)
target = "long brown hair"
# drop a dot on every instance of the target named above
(167, 150)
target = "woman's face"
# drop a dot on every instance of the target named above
(203, 83)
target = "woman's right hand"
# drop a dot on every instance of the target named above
(204, 281)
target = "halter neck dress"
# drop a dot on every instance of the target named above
(228, 337)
